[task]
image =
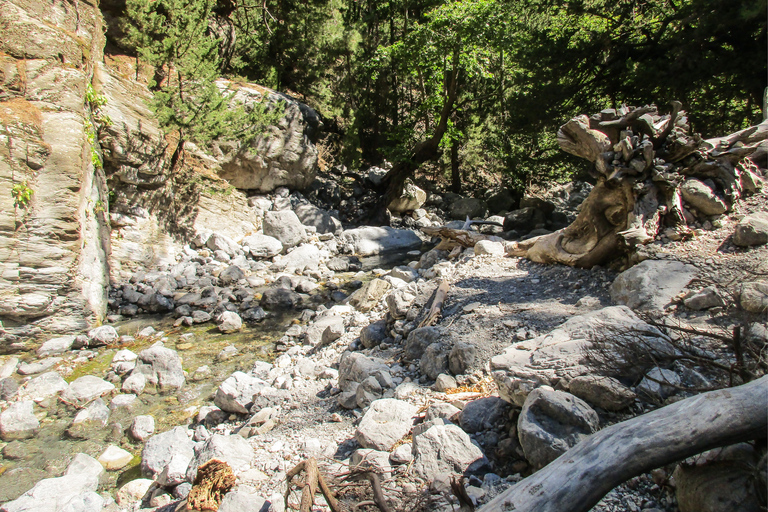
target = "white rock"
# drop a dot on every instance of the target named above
(56, 346)
(115, 457)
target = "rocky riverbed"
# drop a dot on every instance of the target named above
(264, 359)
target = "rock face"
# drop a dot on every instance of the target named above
(283, 155)
(53, 249)
(551, 422)
(651, 284)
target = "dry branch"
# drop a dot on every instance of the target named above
(312, 481)
(580, 477)
(441, 293)
(456, 237)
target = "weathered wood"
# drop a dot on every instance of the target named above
(313, 480)
(214, 479)
(437, 304)
(456, 237)
(580, 477)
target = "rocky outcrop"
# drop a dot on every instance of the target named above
(54, 247)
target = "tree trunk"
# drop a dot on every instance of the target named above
(640, 161)
(455, 171)
(580, 477)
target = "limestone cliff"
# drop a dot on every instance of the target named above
(53, 250)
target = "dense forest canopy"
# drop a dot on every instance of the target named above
(488, 81)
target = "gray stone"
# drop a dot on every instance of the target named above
(133, 492)
(236, 394)
(231, 275)
(659, 383)
(604, 392)
(435, 360)
(284, 226)
(651, 284)
(142, 427)
(405, 273)
(263, 246)
(229, 322)
(321, 220)
(701, 197)
(85, 465)
(370, 240)
(551, 422)
(356, 367)
(403, 454)
(366, 459)
(278, 297)
(369, 295)
(171, 448)
(90, 420)
(442, 410)
(86, 388)
(444, 382)
(399, 302)
(754, 296)
(718, 486)
(306, 257)
(418, 340)
(104, 335)
(36, 367)
(489, 247)
(18, 421)
(134, 383)
(387, 421)
(411, 198)
(8, 388)
(461, 358)
(234, 450)
(368, 391)
(484, 414)
(221, 242)
(703, 299)
(446, 449)
(43, 386)
(161, 367)
(70, 493)
(373, 334)
(239, 501)
(752, 230)
(56, 346)
(324, 330)
(467, 207)
(524, 219)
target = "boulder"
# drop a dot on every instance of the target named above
(321, 220)
(73, 492)
(411, 198)
(161, 366)
(172, 448)
(651, 284)
(490, 248)
(375, 461)
(484, 414)
(551, 422)
(702, 197)
(324, 330)
(43, 386)
(104, 335)
(90, 420)
(142, 427)
(133, 492)
(18, 421)
(355, 367)
(369, 295)
(86, 388)
(231, 275)
(232, 449)
(604, 392)
(446, 449)
(229, 322)
(387, 421)
(524, 219)
(285, 226)
(236, 393)
(221, 242)
(753, 296)
(501, 201)
(418, 340)
(240, 500)
(282, 155)
(374, 333)
(262, 246)
(752, 230)
(399, 303)
(306, 257)
(658, 384)
(462, 358)
(547, 359)
(56, 346)
(371, 240)
(467, 207)
(434, 361)
(134, 383)
(703, 299)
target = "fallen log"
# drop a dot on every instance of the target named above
(314, 480)
(437, 304)
(580, 477)
(457, 237)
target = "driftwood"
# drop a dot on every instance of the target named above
(313, 480)
(214, 479)
(438, 298)
(580, 477)
(641, 159)
(456, 237)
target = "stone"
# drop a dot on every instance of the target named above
(446, 449)
(43, 386)
(134, 383)
(405, 273)
(373, 334)
(467, 207)
(8, 388)
(702, 197)
(8, 366)
(18, 421)
(278, 297)
(753, 296)
(86, 388)
(659, 383)
(411, 198)
(366, 459)
(321, 220)
(501, 201)
(752, 230)
(484, 414)
(133, 492)
(232, 449)
(462, 358)
(418, 340)
(85, 465)
(90, 420)
(369, 295)
(551, 422)
(161, 366)
(142, 427)
(371, 240)
(285, 226)
(703, 299)
(231, 275)
(355, 367)
(524, 219)
(239, 500)
(324, 330)
(229, 322)
(172, 448)
(75, 493)
(236, 393)
(263, 246)
(403, 454)
(651, 284)
(35, 367)
(718, 486)
(435, 360)
(490, 248)
(387, 421)
(114, 458)
(300, 259)
(123, 401)
(399, 302)
(221, 242)
(104, 335)
(368, 391)
(56, 346)
(442, 410)
(604, 392)
(444, 382)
